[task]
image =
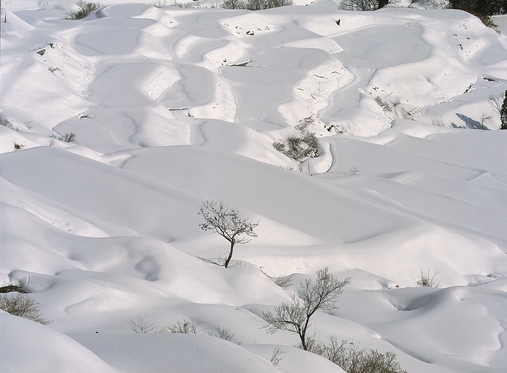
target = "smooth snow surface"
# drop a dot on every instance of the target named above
(173, 106)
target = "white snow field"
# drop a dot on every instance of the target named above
(173, 106)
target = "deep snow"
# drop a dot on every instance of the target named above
(175, 106)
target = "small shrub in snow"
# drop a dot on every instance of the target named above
(428, 280)
(354, 170)
(141, 325)
(266, 4)
(254, 5)
(283, 281)
(185, 326)
(184, 6)
(299, 148)
(363, 5)
(223, 333)
(18, 146)
(383, 104)
(220, 218)
(84, 8)
(302, 146)
(68, 137)
(353, 359)
(312, 295)
(7, 123)
(233, 4)
(24, 306)
(276, 356)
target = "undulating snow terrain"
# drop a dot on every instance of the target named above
(173, 106)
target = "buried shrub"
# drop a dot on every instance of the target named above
(84, 9)
(24, 306)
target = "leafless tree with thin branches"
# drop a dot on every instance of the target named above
(225, 220)
(312, 295)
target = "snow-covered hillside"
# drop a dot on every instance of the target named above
(116, 128)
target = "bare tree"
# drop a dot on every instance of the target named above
(312, 295)
(220, 218)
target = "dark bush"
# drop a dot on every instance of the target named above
(84, 9)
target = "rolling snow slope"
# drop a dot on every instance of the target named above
(172, 107)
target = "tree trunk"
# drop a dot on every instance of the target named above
(230, 254)
(303, 341)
